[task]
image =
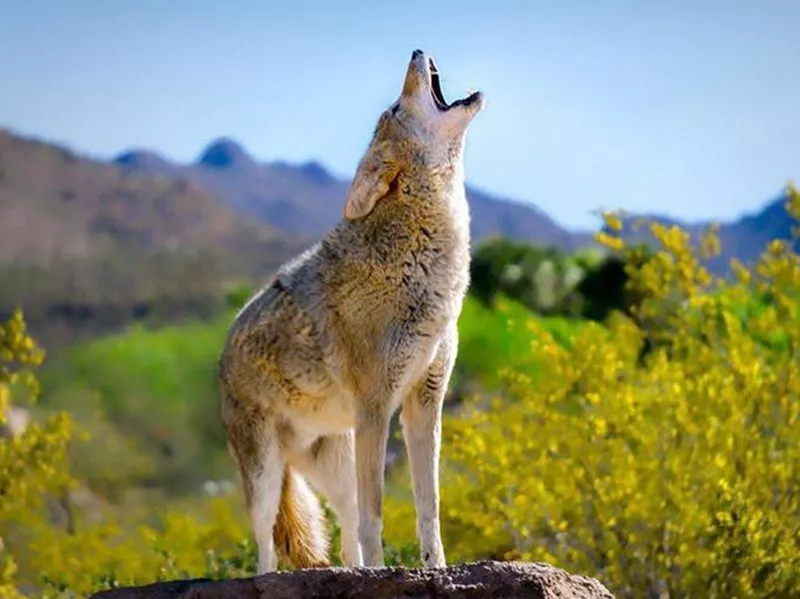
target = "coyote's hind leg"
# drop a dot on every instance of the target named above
(252, 442)
(331, 468)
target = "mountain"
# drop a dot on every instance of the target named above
(87, 245)
(306, 199)
(143, 160)
(84, 240)
(226, 154)
(744, 238)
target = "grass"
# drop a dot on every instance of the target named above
(492, 339)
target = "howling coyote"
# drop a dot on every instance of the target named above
(362, 323)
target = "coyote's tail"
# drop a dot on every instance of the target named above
(299, 533)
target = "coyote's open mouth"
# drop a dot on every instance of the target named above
(438, 96)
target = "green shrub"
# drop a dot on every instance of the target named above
(588, 284)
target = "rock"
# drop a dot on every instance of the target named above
(480, 580)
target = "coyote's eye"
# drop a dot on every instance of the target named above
(395, 108)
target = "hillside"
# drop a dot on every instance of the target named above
(83, 240)
(743, 238)
(88, 245)
(306, 199)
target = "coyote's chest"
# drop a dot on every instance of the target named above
(426, 279)
(398, 275)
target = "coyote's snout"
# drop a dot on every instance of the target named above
(362, 323)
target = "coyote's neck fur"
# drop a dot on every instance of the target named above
(394, 278)
(420, 228)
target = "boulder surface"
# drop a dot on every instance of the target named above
(479, 580)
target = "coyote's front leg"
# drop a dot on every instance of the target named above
(372, 433)
(422, 430)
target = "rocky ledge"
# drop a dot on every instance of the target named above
(480, 580)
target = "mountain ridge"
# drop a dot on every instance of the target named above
(81, 234)
(86, 243)
(744, 237)
(307, 198)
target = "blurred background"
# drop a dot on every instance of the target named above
(158, 160)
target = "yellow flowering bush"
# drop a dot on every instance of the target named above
(42, 557)
(32, 463)
(669, 474)
(121, 537)
(657, 451)
(199, 538)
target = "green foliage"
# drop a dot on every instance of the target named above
(587, 284)
(490, 343)
(238, 295)
(159, 387)
(540, 278)
(604, 288)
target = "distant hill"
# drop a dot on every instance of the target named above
(306, 199)
(88, 241)
(88, 244)
(744, 238)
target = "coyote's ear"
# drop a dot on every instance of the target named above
(372, 181)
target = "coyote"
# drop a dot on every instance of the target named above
(317, 362)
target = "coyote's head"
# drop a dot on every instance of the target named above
(418, 131)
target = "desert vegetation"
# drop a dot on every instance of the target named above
(627, 415)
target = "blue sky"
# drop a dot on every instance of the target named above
(685, 108)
